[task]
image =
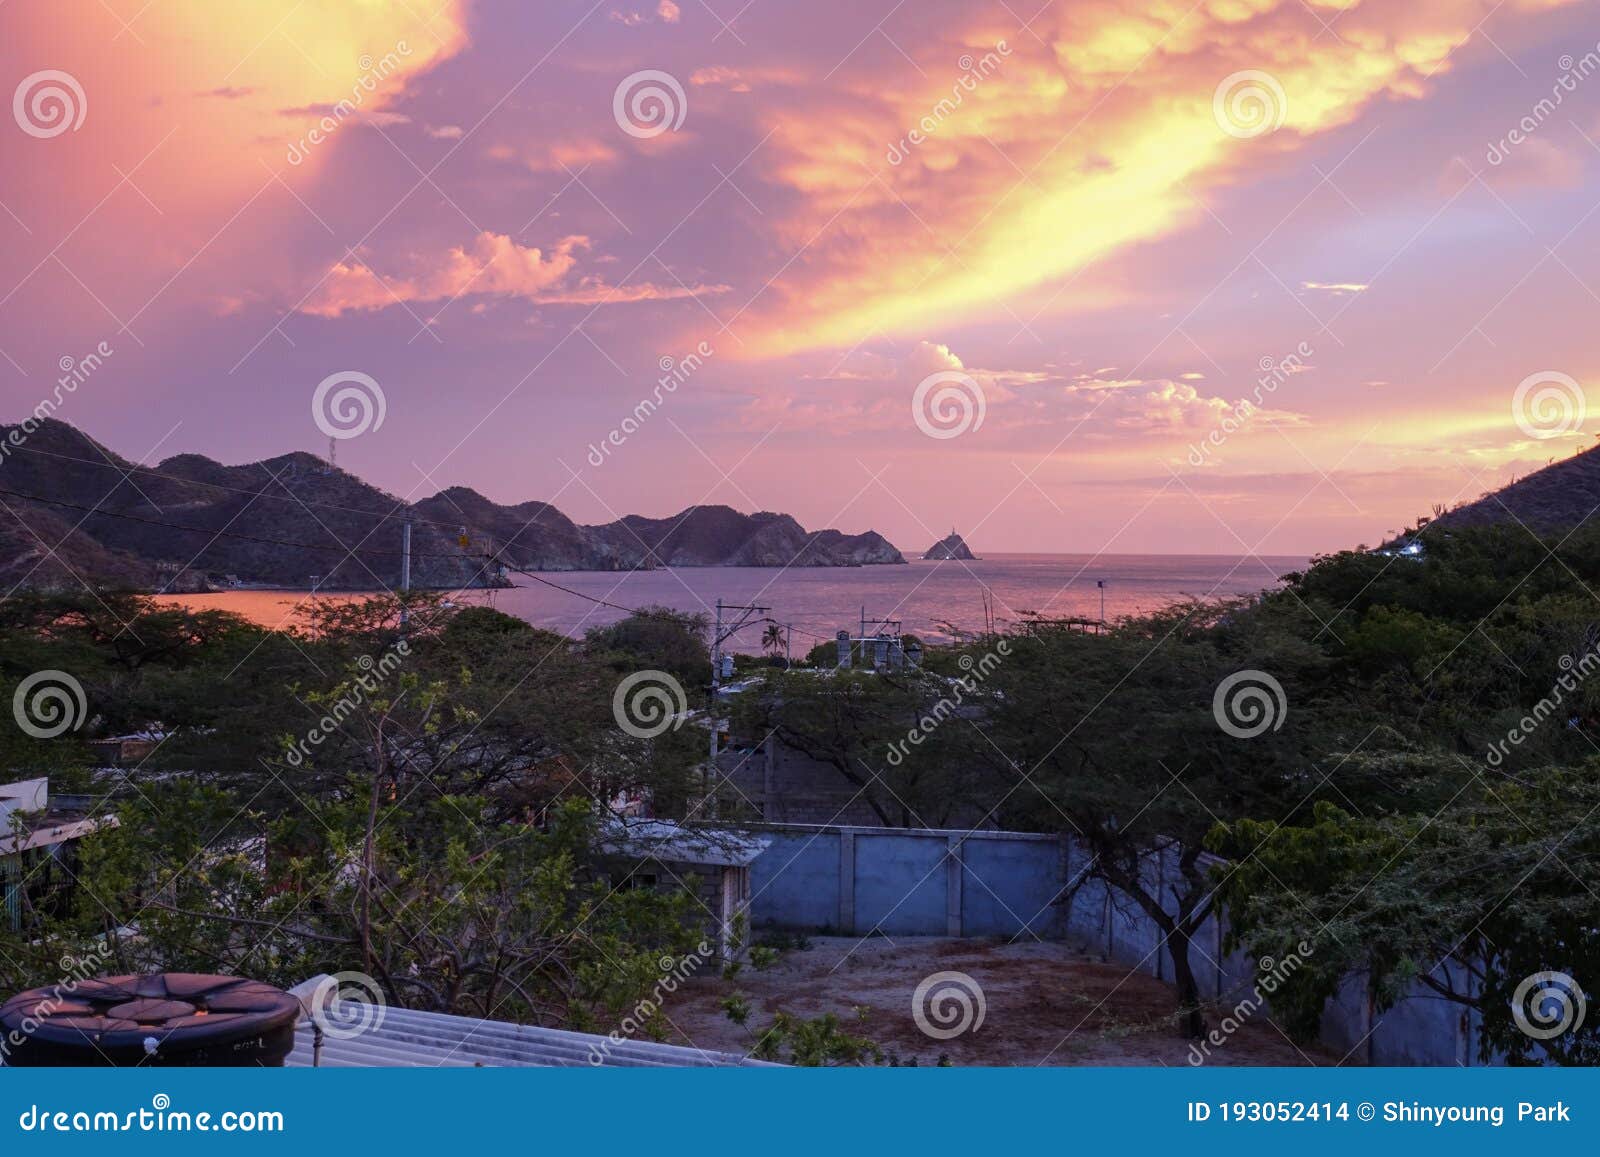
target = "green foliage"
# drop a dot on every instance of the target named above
(1467, 901)
(817, 1042)
(1428, 795)
(657, 639)
(906, 740)
(394, 786)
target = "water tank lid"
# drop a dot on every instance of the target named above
(109, 1019)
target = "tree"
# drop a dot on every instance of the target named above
(395, 786)
(905, 740)
(445, 908)
(1471, 901)
(657, 639)
(1115, 739)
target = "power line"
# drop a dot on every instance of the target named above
(641, 611)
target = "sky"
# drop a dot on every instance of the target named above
(1271, 276)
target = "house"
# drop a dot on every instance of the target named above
(127, 750)
(714, 863)
(38, 846)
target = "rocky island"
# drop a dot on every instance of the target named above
(952, 546)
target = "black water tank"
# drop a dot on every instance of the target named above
(180, 1019)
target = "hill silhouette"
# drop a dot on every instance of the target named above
(1556, 498)
(73, 510)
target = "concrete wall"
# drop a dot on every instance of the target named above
(858, 880)
(908, 881)
(1420, 1029)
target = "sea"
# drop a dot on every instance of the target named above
(933, 600)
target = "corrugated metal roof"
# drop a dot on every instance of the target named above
(670, 842)
(404, 1038)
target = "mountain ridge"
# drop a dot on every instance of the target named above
(76, 511)
(1556, 497)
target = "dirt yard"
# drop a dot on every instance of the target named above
(1044, 1004)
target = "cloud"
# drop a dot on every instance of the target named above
(557, 155)
(1336, 288)
(871, 392)
(1537, 163)
(667, 12)
(927, 193)
(493, 265)
(1163, 405)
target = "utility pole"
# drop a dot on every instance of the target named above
(718, 637)
(885, 633)
(1101, 583)
(405, 571)
(716, 681)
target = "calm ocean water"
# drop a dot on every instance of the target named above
(820, 600)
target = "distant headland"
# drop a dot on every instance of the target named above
(298, 522)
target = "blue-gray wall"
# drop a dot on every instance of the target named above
(908, 882)
(921, 882)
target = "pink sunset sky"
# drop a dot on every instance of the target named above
(1105, 222)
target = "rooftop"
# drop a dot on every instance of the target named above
(30, 817)
(364, 1035)
(672, 843)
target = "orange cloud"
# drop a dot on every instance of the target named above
(493, 265)
(931, 192)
